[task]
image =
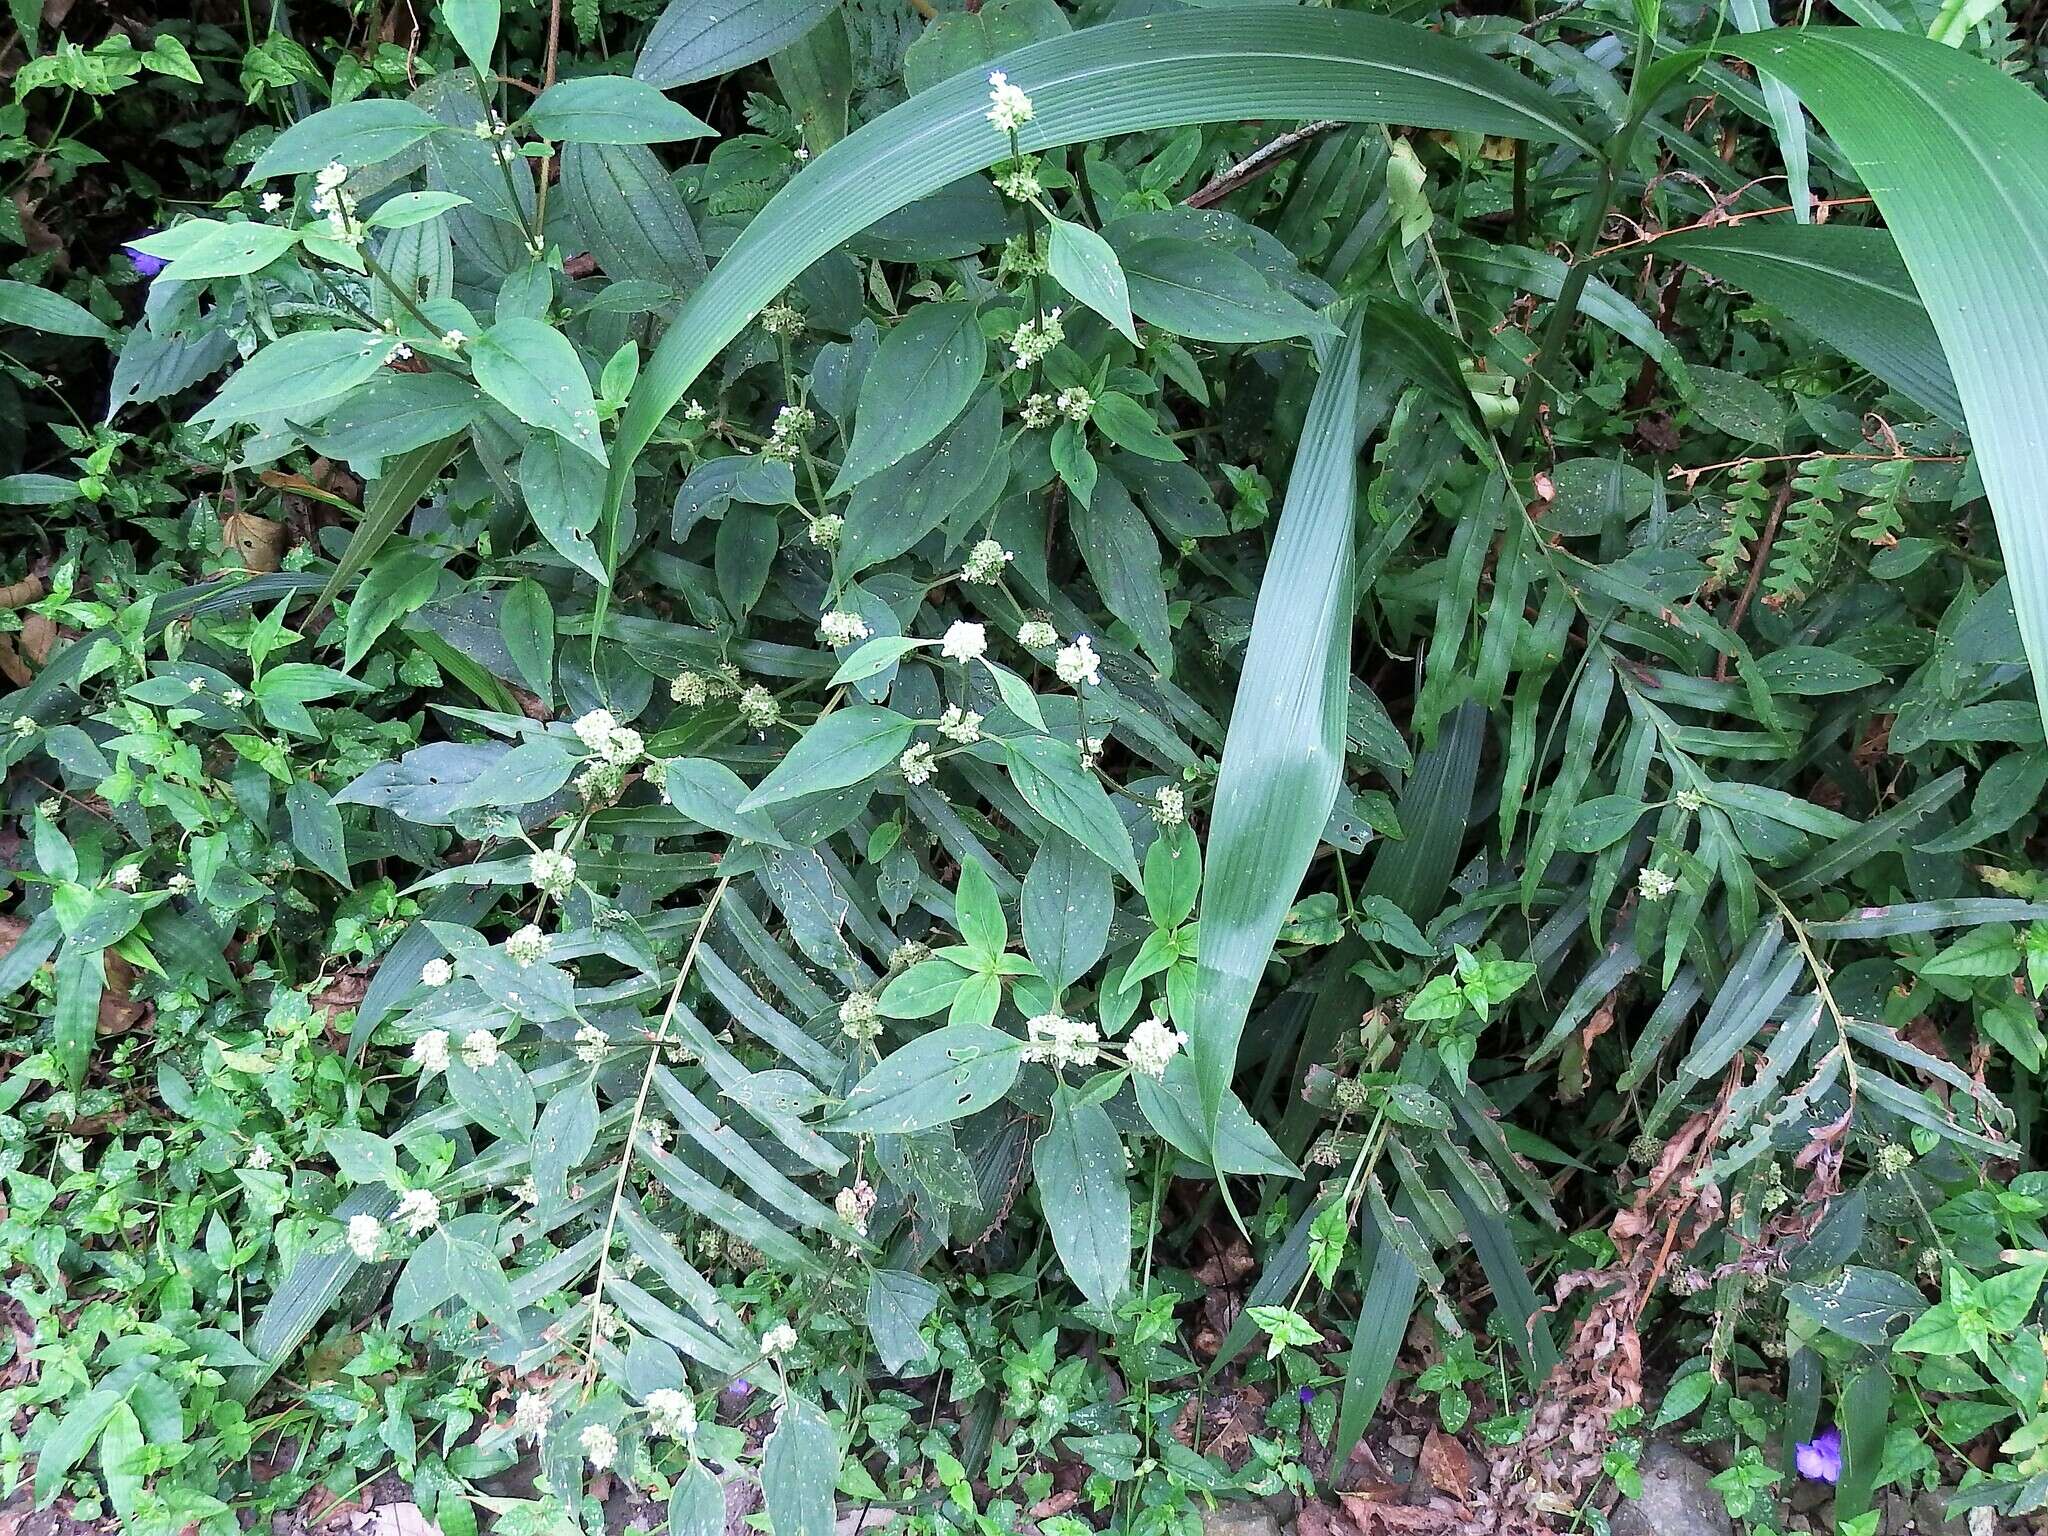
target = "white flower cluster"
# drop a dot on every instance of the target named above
(782, 320)
(127, 878)
(1038, 411)
(758, 707)
(1171, 808)
(1075, 404)
(332, 199)
(436, 973)
(592, 1045)
(825, 530)
(859, 1017)
(786, 438)
(1008, 107)
(918, 765)
(419, 1210)
(854, 1204)
(1032, 340)
(430, 1052)
(985, 563)
(1152, 1045)
(842, 626)
(779, 1340)
(960, 725)
(528, 946)
(552, 872)
(530, 1416)
(671, 1413)
(1019, 183)
(480, 1050)
(1037, 635)
(365, 1234)
(1656, 884)
(965, 642)
(1078, 663)
(1060, 1041)
(599, 1445)
(600, 732)
(690, 689)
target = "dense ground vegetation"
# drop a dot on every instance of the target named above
(750, 770)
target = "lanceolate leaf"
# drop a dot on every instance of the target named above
(1955, 154)
(1087, 1200)
(1159, 72)
(1846, 285)
(1284, 755)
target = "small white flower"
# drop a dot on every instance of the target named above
(430, 1052)
(1689, 799)
(1020, 182)
(985, 563)
(825, 530)
(25, 725)
(758, 707)
(1171, 809)
(399, 354)
(1009, 108)
(527, 946)
(1078, 663)
(552, 872)
(1037, 635)
(965, 642)
(595, 729)
(179, 884)
(1152, 1045)
(192, 685)
(782, 320)
(779, 1340)
(330, 176)
(600, 1446)
(853, 1205)
(272, 201)
(842, 626)
(592, 1045)
(436, 973)
(689, 690)
(452, 339)
(1035, 338)
(480, 1050)
(1060, 1041)
(364, 1234)
(235, 697)
(1075, 404)
(419, 1210)
(694, 411)
(526, 1192)
(962, 726)
(917, 764)
(1037, 411)
(659, 1132)
(671, 1413)
(1656, 884)
(259, 1158)
(127, 877)
(530, 1415)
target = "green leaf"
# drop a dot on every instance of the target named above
(1955, 154)
(1207, 293)
(526, 623)
(563, 487)
(392, 497)
(316, 829)
(1049, 774)
(81, 980)
(610, 109)
(1079, 1165)
(296, 377)
(708, 792)
(696, 39)
(207, 248)
(41, 310)
(1155, 72)
(393, 589)
(943, 1076)
(923, 374)
(875, 657)
(562, 1138)
(531, 770)
(70, 1438)
(696, 1505)
(978, 911)
(1085, 264)
(1065, 911)
(955, 41)
(799, 1469)
(531, 370)
(357, 133)
(1122, 555)
(898, 1303)
(499, 1097)
(1284, 754)
(474, 24)
(121, 1460)
(842, 748)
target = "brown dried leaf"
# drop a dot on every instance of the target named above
(1446, 1465)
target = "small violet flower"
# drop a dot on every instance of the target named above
(1820, 1459)
(145, 264)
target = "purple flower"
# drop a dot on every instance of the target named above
(145, 264)
(1820, 1458)
(1306, 1394)
(739, 1387)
